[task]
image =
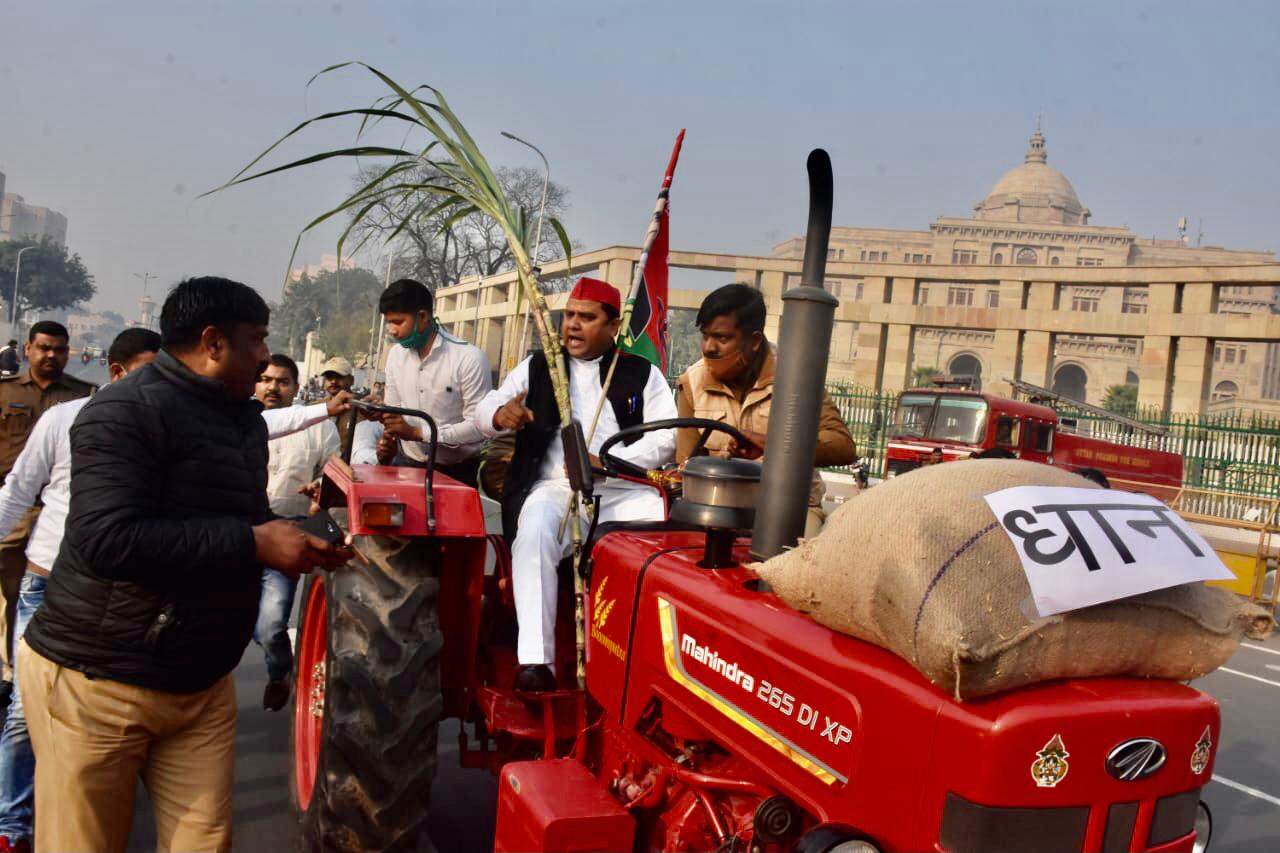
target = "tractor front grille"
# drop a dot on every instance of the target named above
(972, 828)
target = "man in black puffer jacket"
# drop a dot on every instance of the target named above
(126, 668)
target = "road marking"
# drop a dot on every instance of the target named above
(1260, 648)
(1272, 666)
(1247, 675)
(1253, 792)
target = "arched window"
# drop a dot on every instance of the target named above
(1070, 380)
(1054, 261)
(1130, 378)
(1225, 390)
(998, 258)
(1026, 257)
(966, 366)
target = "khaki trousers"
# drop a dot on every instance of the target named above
(94, 738)
(13, 565)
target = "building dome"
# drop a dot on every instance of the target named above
(1034, 192)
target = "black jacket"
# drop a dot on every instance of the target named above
(157, 582)
(626, 396)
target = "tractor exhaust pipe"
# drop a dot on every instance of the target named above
(804, 346)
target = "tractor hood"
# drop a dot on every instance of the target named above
(849, 730)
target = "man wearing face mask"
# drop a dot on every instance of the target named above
(535, 491)
(436, 373)
(733, 383)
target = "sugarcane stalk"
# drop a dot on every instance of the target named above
(629, 306)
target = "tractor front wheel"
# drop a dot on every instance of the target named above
(367, 700)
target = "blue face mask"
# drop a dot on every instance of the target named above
(418, 337)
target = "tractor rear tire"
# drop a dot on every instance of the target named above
(380, 704)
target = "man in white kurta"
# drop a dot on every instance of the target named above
(537, 475)
(433, 372)
(294, 461)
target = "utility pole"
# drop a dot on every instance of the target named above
(13, 314)
(146, 277)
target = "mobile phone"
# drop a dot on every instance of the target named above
(322, 526)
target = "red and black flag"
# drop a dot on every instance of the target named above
(645, 314)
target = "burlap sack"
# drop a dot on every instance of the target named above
(919, 566)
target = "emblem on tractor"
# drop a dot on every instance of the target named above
(598, 619)
(601, 615)
(1200, 757)
(1136, 759)
(1051, 766)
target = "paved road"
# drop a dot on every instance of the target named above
(1246, 821)
(462, 819)
(1248, 689)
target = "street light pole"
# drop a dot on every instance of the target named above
(145, 276)
(13, 309)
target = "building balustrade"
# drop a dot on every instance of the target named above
(1178, 332)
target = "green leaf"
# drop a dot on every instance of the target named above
(564, 243)
(365, 151)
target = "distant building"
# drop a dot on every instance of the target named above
(328, 263)
(1032, 217)
(22, 221)
(97, 328)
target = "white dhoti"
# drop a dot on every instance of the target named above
(537, 552)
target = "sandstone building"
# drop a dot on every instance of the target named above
(1033, 217)
(22, 221)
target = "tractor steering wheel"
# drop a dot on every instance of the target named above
(614, 466)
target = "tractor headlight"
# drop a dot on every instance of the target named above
(833, 838)
(1204, 828)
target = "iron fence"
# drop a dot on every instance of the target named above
(1237, 453)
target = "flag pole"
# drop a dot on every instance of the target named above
(628, 307)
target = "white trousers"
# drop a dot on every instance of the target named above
(537, 552)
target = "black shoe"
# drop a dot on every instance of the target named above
(276, 695)
(534, 678)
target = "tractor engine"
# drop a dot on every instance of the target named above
(731, 721)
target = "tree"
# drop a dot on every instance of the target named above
(50, 278)
(1121, 399)
(685, 338)
(312, 305)
(922, 377)
(442, 250)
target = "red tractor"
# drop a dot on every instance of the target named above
(713, 716)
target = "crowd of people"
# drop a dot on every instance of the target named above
(152, 528)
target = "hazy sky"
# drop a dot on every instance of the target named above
(118, 114)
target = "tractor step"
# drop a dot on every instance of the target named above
(524, 716)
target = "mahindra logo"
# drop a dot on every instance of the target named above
(1136, 759)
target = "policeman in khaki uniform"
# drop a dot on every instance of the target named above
(23, 399)
(733, 383)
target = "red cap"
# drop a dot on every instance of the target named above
(597, 291)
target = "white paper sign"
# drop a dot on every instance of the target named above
(1081, 547)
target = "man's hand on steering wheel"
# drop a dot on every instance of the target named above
(752, 448)
(616, 466)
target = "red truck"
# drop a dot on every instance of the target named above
(946, 424)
